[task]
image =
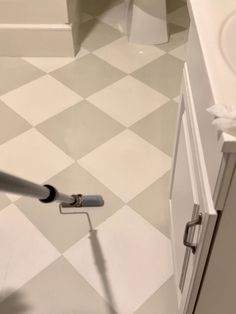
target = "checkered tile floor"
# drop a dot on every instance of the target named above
(102, 123)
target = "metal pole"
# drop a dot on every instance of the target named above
(16, 185)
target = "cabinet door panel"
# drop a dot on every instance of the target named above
(190, 196)
(205, 231)
(184, 201)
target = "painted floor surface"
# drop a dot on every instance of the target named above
(101, 123)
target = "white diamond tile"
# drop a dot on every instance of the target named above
(50, 64)
(128, 56)
(126, 164)
(82, 52)
(116, 17)
(13, 197)
(177, 99)
(179, 52)
(128, 100)
(24, 251)
(40, 99)
(128, 256)
(33, 157)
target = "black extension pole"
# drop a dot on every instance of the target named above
(46, 193)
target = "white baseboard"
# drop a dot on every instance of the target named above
(36, 40)
(33, 11)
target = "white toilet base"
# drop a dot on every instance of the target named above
(146, 28)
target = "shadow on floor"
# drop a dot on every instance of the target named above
(14, 304)
(100, 263)
(172, 5)
(95, 8)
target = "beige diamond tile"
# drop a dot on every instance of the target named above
(116, 17)
(125, 259)
(163, 301)
(163, 74)
(153, 204)
(15, 72)
(80, 129)
(159, 127)
(128, 56)
(24, 250)
(128, 100)
(48, 64)
(87, 75)
(173, 5)
(180, 17)
(4, 201)
(51, 64)
(177, 99)
(11, 123)
(95, 34)
(58, 289)
(85, 17)
(178, 37)
(179, 52)
(126, 164)
(40, 99)
(95, 8)
(64, 230)
(33, 157)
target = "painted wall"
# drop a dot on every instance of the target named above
(33, 11)
(39, 27)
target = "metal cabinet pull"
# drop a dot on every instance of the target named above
(189, 225)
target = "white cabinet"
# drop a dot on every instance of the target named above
(184, 209)
(217, 294)
(204, 172)
(193, 216)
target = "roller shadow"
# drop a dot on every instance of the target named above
(100, 263)
(14, 304)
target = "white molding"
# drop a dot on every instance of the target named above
(36, 26)
(38, 40)
(33, 11)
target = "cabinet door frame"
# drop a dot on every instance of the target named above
(191, 289)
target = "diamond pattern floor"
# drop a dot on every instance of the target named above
(100, 123)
